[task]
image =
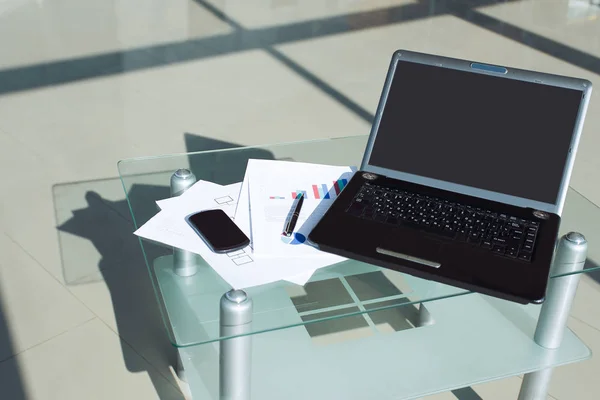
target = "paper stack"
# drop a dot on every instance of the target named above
(259, 206)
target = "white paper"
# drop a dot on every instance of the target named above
(272, 187)
(241, 269)
(242, 219)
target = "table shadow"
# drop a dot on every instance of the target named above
(88, 210)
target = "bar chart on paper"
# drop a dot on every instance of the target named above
(318, 191)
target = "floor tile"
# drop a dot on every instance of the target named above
(263, 102)
(499, 390)
(571, 22)
(440, 396)
(125, 301)
(585, 305)
(87, 362)
(36, 307)
(99, 117)
(28, 217)
(269, 13)
(72, 29)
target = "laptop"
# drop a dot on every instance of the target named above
(464, 176)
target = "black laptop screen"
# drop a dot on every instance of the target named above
(477, 130)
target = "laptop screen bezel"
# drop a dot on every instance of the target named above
(503, 72)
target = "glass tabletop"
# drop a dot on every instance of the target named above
(351, 289)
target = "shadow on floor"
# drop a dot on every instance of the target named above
(209, 166)
(98, 212)
(118, 263)
(466, 394)
(11, 384)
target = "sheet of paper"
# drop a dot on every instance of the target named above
(242, 219)
(241, 268)
(273, 187)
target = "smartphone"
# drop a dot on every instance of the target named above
(218, 231)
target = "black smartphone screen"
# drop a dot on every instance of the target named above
(219, 232)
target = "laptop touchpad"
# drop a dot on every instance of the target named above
(408, 257)
(429, 248)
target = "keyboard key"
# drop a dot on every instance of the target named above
(498, 249)
(499, 241)
(511, 253)
(486, 244)
(525, 256)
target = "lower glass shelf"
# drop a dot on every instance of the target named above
(394, 355)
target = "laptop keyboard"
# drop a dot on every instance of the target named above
(501, 234)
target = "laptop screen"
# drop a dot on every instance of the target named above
(482, 131)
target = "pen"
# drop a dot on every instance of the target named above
(290, 223)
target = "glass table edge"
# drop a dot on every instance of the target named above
(319, 320)
(232, 149)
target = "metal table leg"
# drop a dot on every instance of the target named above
(569, 258)
(235, 355)
(185, 263)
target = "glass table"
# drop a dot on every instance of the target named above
(355, 330)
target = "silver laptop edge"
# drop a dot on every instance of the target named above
(480, 68)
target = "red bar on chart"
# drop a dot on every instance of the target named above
(316, 191)
(336, 186)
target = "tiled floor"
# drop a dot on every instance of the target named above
(85, 83)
